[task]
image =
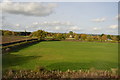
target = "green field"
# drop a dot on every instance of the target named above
(64, 55)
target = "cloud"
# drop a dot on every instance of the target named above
(6, 0)
(17, 25)
(99, 20)
(29, 8)
(50, 26)
(9, 26)
(113, 26)
(57, 28)
(75, 28)
(35, 23)
(53, 23)
(96, 29)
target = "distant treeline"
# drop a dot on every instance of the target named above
(41, 35)
(8, 33)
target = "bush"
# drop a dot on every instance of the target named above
(40, 34)
(7, 33)
(77, 37)
(59, 36)
(83, 36)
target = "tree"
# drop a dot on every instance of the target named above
(83, 36)
(7, 33)
(71, 32)
(90, 38)
(68, 35)
(118, 37)
(40, 34)
(104, 37)
(108, 36)
(77, 37)
(15, 33)
(114, 38)
(59, 36)
(95, 38)
(64, 35)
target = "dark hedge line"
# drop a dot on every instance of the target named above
(6, 44)
(18, 45)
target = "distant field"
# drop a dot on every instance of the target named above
(9, 39)
(64, 55)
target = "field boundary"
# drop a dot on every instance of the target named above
(73, 40)
(14, 42)
(8, 47)
(45, 74)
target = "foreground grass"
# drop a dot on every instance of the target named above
(64, 55)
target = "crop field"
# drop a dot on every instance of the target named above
(63, 55)
(8, 39)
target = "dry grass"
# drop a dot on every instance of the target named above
(41, 73)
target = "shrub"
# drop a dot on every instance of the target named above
(83, 36)
(77, 37)
(40, 34)
(7, 33)
(89, 38)
(59, 36)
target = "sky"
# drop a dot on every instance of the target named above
(62, 17)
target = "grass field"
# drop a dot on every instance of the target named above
(64, 55)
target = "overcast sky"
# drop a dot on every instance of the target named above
(80, 17)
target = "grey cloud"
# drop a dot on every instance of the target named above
(99, 19)
(113, 26)
(28, 8)
(96, 29)
(56, 26)
(53, 23)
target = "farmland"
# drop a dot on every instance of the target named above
(9, 39)
(63, 55)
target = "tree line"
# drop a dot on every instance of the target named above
(41, 35)
(13, 33)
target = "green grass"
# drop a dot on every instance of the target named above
(64, 55)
